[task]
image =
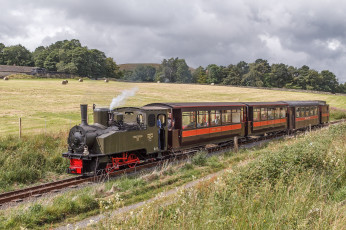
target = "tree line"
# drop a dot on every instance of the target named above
(73, 58)
(257, 74)
(62, 56)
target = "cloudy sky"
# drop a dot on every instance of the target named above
(310, 32)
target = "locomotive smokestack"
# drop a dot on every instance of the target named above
(84, 113)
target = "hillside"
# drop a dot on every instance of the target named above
(132, 66)
(47, 105)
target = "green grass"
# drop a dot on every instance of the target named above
(47, 105)
(296, 185)
(274, 186)
(31, 159)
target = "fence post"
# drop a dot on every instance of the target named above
(20, 127)
(235, 144)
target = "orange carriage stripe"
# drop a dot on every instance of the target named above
(269, 122)
(306, 118)
(217, 129)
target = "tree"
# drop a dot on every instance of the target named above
(17, 55)
(173, 70)
(97, 63)
(234, 76)
(253, 77)
(183, 73)
(214, 74)
(199, 76)
(2, 46)
(279, 76)
(39, 55)
(111, 68)
(51, 61)
(144, 73)
(329, 82)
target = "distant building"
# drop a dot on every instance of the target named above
(6, 70)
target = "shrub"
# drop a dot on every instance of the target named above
(200, 158)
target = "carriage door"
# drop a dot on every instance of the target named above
(161, 124)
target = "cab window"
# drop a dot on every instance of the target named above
(162, 118)
(151, 120)
(189, 120)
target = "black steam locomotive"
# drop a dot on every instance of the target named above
(125, 137)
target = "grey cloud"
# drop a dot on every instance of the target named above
(203, 32)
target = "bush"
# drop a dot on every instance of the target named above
(200, 158)
(28, 160)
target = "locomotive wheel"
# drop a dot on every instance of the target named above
(109, 168)
(133, 159)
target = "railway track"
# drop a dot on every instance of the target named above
(36, 191)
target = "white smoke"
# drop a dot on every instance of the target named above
(121, 99)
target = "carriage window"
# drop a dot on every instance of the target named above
(256, 114)
(189, 120)
(282, 112)
(226, 117)
(215, 117)
(277, 113)
(242, 115)
(162, 118)
(271, 113)
(311, 109)
(264, 114)
(235, 115)
(202, 119)
(298, 114)
(315, 110)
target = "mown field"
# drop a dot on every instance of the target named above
(47, 105)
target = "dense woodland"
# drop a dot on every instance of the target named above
(73, 58)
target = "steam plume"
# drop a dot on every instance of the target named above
(121, 99)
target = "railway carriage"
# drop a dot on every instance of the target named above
(266, 117)
(200, 123)
(302, 114)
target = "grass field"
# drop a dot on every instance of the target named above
(47, 105)
(294, 183)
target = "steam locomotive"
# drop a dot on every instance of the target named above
(127, 136)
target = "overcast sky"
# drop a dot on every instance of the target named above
(222, 32)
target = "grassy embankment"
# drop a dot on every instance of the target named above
(300, 184)
(294, 183)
